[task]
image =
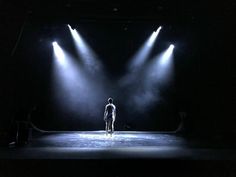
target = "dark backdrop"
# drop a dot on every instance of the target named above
(204, 72)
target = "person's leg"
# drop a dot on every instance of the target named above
(112, 126)
(106, 128)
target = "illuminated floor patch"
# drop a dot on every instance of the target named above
(98, 139)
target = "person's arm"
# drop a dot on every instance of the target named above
(105, 113)
(115, 112)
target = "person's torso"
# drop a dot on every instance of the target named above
(110, 110)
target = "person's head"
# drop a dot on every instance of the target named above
(110, 100)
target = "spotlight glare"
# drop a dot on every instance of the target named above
(59, 53)
(158, 30)
(70, 28)
(54, 43)
(143, 53)
(167, 55)
(172, 46)
(153, 37)
(86, 54)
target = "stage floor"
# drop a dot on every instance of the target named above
(122, 145)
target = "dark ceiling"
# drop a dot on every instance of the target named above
(14, 14)
(73, 11)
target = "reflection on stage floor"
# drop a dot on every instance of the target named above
(121, 145)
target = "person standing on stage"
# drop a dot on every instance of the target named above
(109, 116)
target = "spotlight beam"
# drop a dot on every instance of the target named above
(153, 37)
(160, 68)
(72, 87)
(167, 55)
(86, 54)
(58, 52)
(143, 53)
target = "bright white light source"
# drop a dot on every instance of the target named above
(141, 56)
(167, 55)
(59, 53)
(153, 37)
(158, 30)
(87, 55)
(54, 43)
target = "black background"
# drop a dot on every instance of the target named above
(205, 74)
(204, 70)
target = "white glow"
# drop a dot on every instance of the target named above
(143, 53)
(54, 43)
(160, 27)
(86, 54)
(160, 69)
(80, 44)
(72, 87)
(76, 36)
(74, 90)
(167, 55)
(60, 56)
(153, 37)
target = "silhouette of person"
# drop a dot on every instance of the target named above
(109, 116)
